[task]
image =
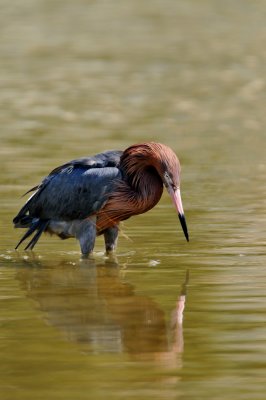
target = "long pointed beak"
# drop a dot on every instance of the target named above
(176, 198)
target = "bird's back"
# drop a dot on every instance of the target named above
(74, 190)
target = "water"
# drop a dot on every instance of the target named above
(77, 78)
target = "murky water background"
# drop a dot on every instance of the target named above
(80, 77)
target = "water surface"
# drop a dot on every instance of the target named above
(78, 78)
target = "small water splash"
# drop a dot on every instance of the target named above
(153, 263)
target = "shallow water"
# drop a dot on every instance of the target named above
(78, 78)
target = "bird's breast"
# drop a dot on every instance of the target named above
(128, 200)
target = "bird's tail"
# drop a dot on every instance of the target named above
(35, 225)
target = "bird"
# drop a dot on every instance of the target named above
(89, 196)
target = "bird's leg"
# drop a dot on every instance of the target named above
(86, 234)
(110, 238)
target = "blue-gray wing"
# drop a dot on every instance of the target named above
(109, 158)
(74, 190)
(74, 193)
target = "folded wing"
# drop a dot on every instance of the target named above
(75, 190)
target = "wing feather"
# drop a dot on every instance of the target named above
(76, 189)
(74, 195)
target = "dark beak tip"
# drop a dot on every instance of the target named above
(184, 225)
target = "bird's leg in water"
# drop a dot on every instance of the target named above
(110, 238)
(86, 235)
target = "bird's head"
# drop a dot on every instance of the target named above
(167, 165)
(169, 170)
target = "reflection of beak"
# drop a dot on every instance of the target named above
(176, 198)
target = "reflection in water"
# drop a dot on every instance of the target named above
(93, 304)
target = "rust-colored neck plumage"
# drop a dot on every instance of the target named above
(140, 190)
(136, 161)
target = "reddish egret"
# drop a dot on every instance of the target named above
(90, 196)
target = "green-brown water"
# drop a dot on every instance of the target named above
(81, 77)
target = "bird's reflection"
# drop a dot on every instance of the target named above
(93, 303)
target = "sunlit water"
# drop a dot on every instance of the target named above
(162, 319)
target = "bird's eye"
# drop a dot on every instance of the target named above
(166, 175)
(167, 179)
